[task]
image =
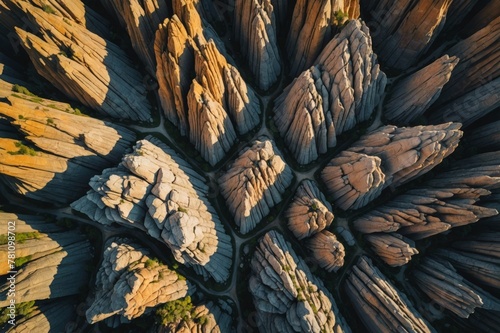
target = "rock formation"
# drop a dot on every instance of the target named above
(388, 156)
(406, 29)
(83, 65)
(130, 283)
(338, 92)
(255, 28)
(327, 251)
(393, 249)
(47, 257)
(309, 212)
(156, 191)
(440, 281)
(287, 297)
(379, 305)
(255, 183)
(413, 95)
(486, 136)
(313, 25)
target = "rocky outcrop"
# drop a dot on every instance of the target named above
(486, 136)
(255, 28)
(406, 29)
(313, 25)
(156, 191)
(338, 92)
(254, 183)
(286, 295)
(309, 212)
(46, 256)
(388, 156)
(83, 65)
(413, 95)
(394, 249)
(489, 12)
(440, 281)
(379, 305)
(130, 283)
(327, 251)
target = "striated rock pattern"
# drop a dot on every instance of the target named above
(128, 285)
(313, 25)
(380, 306)
(254, 183)
(287, 296)
(388, 156)
(84, 66)
(47, 260)
(394, 249)
(486, 136)
(338, 92)
(327, 251)
(309, 212)
(406, 29)
(255, 28)
(416, 93)
(440, 281)
(156, 191)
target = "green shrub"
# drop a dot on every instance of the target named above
(22, 309)
(23, 150)
(22, 90)
(20, 116)
(48, 9)
(175, 311)
(50, 121)
(21, 261)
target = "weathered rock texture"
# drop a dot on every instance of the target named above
(327, 251)
(486, 136)
(129, 283)
(83, 65)
(416, 93)
(201, 93)
(406, 29)
(70, 148)
(394, 249)
(52, 255)
(313, 25)
(388, 156)
(309, 212)
(156, 191)
(379, 305)
(287, 296)
(255, 28)
(440, 281)
(338, 92)
(254, 183)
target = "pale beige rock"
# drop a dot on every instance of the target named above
(327, 251)
(394, 249)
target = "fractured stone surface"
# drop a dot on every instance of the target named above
(327, 251)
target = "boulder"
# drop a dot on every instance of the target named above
(327, 251)
(394, 249)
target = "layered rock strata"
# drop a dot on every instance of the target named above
(486, 136)
(129, 283)
(309, 212)
(156, 191)
(379, 305)
(313, 25)
(287, 296)
(440, 281)
(394, 249)
(254, 183)
(338, 92)
(327, 251)
(388, 156)
(255, 28)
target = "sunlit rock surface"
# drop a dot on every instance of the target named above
(156, 191)
(379, 305)
(254, 183)
(327, 251)
(388, 156)
(286, 295)
(393, 248)
(129, 283)
(338, 92)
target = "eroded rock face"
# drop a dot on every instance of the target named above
(380, 306)
(156, 191)
(255, 183)
(327, 251)
(255, 28)
(338, 92)
(393, 248)
(309, 212)
(129, 283)
(486, 136)
(313, 25)
(388, 156)
(286, 295)
(440, 281)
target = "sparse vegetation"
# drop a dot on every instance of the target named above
(150, 263)
(23, 150)
(22, 309)
(50, 121)
(20, 116)
(48, 9)
(341, 18)
(21, 261)
(21, 237)
(22, 90)
(182, 209)
(175, 311)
